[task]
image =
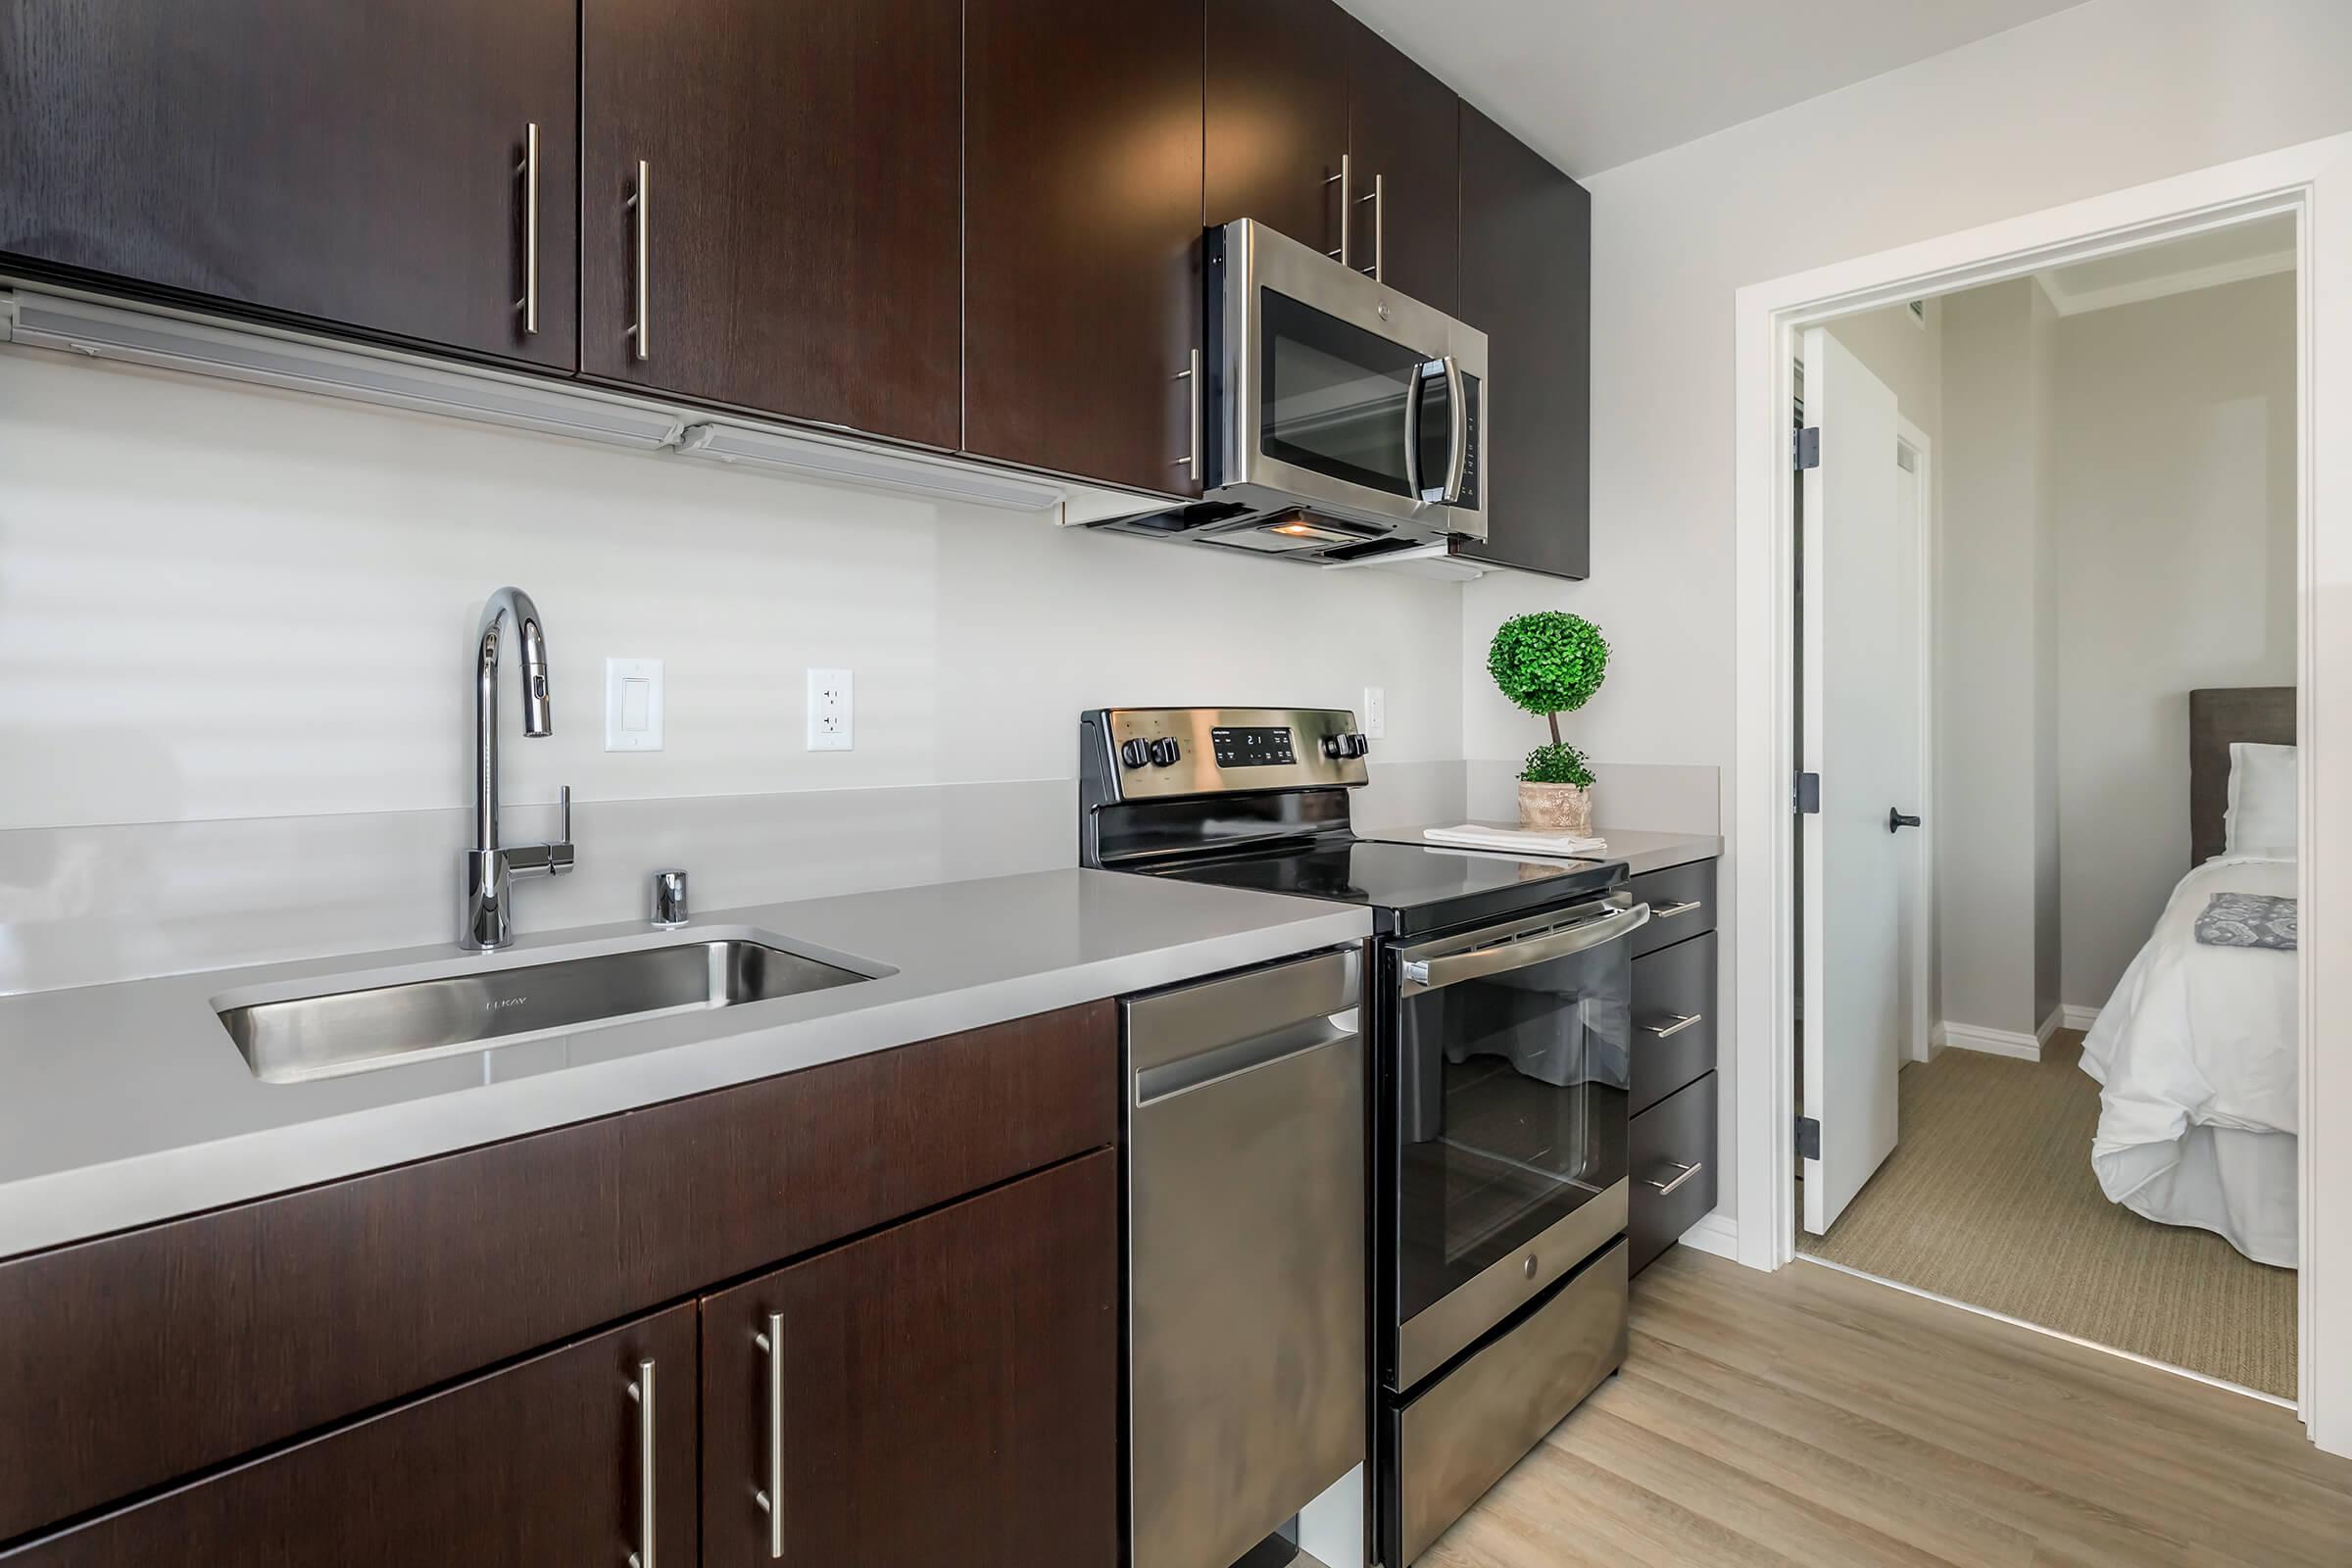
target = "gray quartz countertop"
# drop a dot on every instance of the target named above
(125, 1105)
(1639, 850)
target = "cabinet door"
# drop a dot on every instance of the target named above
(1403, 130)
(1277, 116)
(542, 1463)
(355, 165)
(797, 231)
(1082, 236)
(1527, 284)
(942, 1391)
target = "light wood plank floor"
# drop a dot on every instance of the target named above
(1811, 1418)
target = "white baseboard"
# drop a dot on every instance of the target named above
(1993, 1042)
(1716, 1234)
(2077, 1016)
(2049, 1026)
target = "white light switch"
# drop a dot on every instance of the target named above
(1376, 713)
(632, 705)
(829, 711)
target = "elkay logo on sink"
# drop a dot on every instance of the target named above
(504, 1002)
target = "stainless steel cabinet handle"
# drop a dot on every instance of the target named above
(641, 332)
(1679, 1022)
(1347, 211)
(1688, 1171)
(771, 1501)
(642, 1391)
(1194, 461)
(529, 170)
(1380, 224)
(1667, 912)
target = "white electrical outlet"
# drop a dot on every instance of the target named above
(829, 711)
(632, 705)
(1376, 713)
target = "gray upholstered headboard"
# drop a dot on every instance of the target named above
(2218, 719)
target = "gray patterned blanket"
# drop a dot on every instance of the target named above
(2248, 920)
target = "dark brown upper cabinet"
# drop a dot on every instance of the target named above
(769, 205)
(1527, 284)
(946, 1391)
(1402, 133)
(1277, 116)
(1082, 236)
(359, 165)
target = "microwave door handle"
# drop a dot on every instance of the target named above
(1457, 465)
(1413, 431)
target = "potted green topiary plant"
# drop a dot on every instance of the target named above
(1552, 662)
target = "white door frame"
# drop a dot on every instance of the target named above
(2313, 180)
(1928, 521)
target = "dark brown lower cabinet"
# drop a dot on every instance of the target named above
(945, 1391)
(542, 1463)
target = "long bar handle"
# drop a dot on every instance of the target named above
(1667, 912)
(771, 1501)
(1520, 952)
(1194, 461)
(1676, 1024)
(528, 168)
(642, 1391)
(1457, 466)
(1346, 212)
(1380, 224)
(1688, 1171)
(641, 333)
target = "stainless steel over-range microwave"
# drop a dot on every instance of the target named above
(1335, 418)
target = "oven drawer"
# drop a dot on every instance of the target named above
(1671, 1153)
(1682, 904)
(1458, 1437)
(1673, 1019)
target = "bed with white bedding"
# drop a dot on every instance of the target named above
(2196, 1053)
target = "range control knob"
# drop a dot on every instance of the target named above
(1335, 745)
(1354, 745)
(1135, 752)
(1164, 751)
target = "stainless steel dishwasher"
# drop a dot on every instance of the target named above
(1246, 1183)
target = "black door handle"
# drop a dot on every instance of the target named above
(1895, 819)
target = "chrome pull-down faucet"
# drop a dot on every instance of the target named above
(485, 920)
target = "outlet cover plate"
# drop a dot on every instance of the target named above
(1376, 714)
(830, 710)
(632, 705)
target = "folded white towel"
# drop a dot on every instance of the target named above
(1522, 841)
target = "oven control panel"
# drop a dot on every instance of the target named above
(1154, 753)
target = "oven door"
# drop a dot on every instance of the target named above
(1511, 1062)
(1341, 393)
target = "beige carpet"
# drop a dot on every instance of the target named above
(1989, 1199)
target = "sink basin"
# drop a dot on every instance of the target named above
(341, 1032)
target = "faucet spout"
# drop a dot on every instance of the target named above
(485, 920)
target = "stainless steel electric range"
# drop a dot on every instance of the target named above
(1499, 994)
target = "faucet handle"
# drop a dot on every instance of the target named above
(560, 853)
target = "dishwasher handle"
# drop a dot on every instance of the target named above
(1223, 1063)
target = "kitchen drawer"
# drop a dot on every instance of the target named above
(1671, 1153)
(1682, 905)
(1673, 1019)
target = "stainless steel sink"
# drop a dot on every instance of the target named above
(341, 1032)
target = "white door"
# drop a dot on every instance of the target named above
(1860, 600)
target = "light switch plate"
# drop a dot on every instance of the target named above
(829, 711)
(1376, 713)
(632, 705)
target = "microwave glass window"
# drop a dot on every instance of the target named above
(1334, 396)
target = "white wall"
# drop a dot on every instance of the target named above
(220, 605)
(1996, 792)
(2175, 493)
(2106, 95)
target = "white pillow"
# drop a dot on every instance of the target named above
(2261, 819)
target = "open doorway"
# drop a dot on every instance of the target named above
(2046, 634)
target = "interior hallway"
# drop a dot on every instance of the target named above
(1989, 1199)
(1808, 1417)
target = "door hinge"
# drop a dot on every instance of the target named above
(1808, 794)
(1808, 447)
(1808, 1138)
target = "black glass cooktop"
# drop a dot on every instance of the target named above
(1410, 887)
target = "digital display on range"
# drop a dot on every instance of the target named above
(1263, 747)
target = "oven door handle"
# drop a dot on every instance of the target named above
(1432, 973)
